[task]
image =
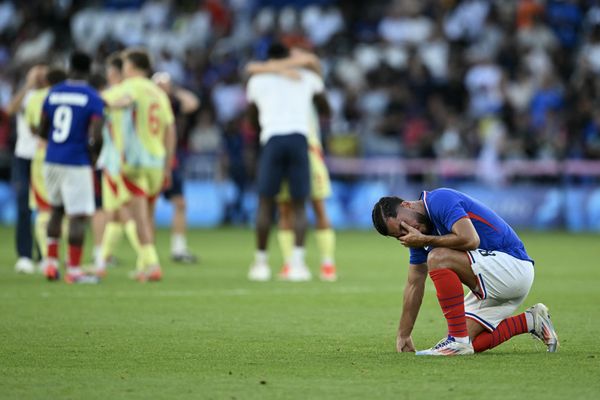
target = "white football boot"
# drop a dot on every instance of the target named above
(259, 272)
(24, 265)
(298, 273)
(543, 329)
(448, 347)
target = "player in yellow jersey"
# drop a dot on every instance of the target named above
(38, 196)
(148, 151)
(114, 193)
(320, 182)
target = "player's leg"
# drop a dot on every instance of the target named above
(299, 180)
(23, 232)
(53, 234)
(320, 188)
(448, 269)
(100, 218)
(143, 184)
(269, 180)
(505, 282)
(153, 269)
(129, 228)
(179, 249)
(41, 231)
(285, 233)
(53, 177)
(78, 195)
(325, 236)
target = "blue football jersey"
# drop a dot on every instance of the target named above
(70, 106)
(446, 206)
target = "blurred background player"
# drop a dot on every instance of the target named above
(320, 184)
(280, 108)
(184, 103)
(72, 122)
(149, 149)
(21, 167)
(114, 193)
(38, 197)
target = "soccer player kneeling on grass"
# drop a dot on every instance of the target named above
(72, 119)
(458, 240)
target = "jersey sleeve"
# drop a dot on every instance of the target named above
(251, 90)
(316, 82)
(33, 110)
(115, 93)
(417, 256)
(96, 106)
(446, 208)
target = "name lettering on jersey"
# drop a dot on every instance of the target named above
(71, 99)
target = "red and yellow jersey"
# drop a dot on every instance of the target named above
(150, 115)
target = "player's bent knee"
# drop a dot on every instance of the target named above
(438, 258)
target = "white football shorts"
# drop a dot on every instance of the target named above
(504, 282)
(71, 186)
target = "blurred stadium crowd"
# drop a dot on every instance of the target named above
(434, 78)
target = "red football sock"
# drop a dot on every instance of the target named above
(75, 256)
(508, 328)
(53, 248)
(450, 294)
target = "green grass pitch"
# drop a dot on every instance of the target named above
(206, 332)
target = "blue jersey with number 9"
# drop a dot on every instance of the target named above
(70, 107)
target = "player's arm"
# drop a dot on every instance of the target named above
(322, 105)
(44, 126)
(95, 137)
(30, 81)
(413, 296)
(463, 237)
(252, 115)
(189, 101)
(286, 66)
(170, 140)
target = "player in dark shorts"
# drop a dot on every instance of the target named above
(184, 104)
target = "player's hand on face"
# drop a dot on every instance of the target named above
(405, 345)
(412, 238)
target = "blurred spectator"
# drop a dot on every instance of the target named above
(406, 78)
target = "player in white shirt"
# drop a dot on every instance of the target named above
(21, 168)
(280, 108)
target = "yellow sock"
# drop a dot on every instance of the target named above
(150, 256)
(326, 245)
(286, 243)
(130, 230)
(41, 231)
(112, 235)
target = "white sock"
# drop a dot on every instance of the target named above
(327, 261)
(529, 318)
(463, 339)
(260, 257)
(178, 243)
(297, 258)
(97, 252)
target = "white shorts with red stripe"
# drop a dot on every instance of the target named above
(71, 186)
(504, 282)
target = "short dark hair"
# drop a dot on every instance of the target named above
(386, 207)
(277, 50)
(139, 58)
(97, 81)
(115, 60)
(55, 75)
(80, 62)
